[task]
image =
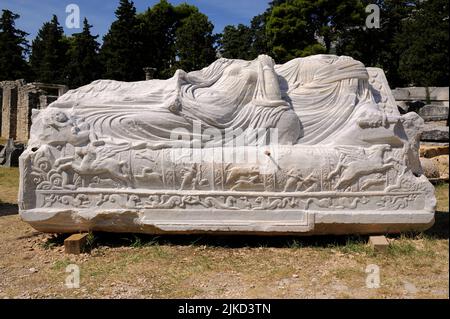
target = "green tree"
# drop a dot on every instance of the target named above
(243, 42)
(332, 18)
(377, 46)
(13, 48)
(49, 53)
(253, 39)
(304, 27)
(260, 43)
(84, 63)
(423, 45)
(237, 42)
(195, 42)
(290, 30)
(122, 52)
(157, 31)
(175, 37)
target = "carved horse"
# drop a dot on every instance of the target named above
(372, 164)
(93, 164)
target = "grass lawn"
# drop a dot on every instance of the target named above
(442, 197)
(9, 184)
(131, 266)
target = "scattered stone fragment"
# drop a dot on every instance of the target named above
(436, 167)
(410, 288)
(379, 243)
(434, 132)
(75, 244)
(430, 151)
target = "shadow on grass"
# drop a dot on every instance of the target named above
(440, 228)
(232, 241)
(439, 231)
(8, 209)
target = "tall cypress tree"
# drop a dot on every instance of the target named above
(49, 53)
(195, 42)
(84, 62)
(377, 46)
(423, 45)
(157, 32)
(121, 52)
(236, 42)
(13, 48)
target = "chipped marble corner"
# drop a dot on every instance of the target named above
(336, 158)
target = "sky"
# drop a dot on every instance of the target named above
(100, 13)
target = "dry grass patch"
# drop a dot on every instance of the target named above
(9, 184)
(442, 197)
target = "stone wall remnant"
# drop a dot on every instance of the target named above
(432, 104)
(18, 99)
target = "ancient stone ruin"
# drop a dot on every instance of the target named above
(432, 104)
(313, 146)
(10, 152)
(18, 98)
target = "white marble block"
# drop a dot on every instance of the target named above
(314, 146)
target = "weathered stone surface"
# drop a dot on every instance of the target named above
(9, 153)
(75, 244)
(403, 106)
(430, 169)
(401, 94)
(435, 132)
(415, 99)
(420, 94)
(317, 146)
(28, 99)
(430, 151)
(436, 167)
(9, 108)
(379, 243)
(439, 94)
(442, 164)
(433, 112)
(413, 125)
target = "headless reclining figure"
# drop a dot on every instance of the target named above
(321, 99)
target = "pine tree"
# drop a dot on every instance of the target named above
(13, 48)
(84, 63)
(49, 53)
(195, 42)
(423, 45)
(121, 52)
(157, 32)
(291, 31)
(377, 46)
(236, 42)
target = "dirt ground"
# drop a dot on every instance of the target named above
(33, 265)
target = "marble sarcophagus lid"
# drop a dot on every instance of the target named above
(313, 146)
